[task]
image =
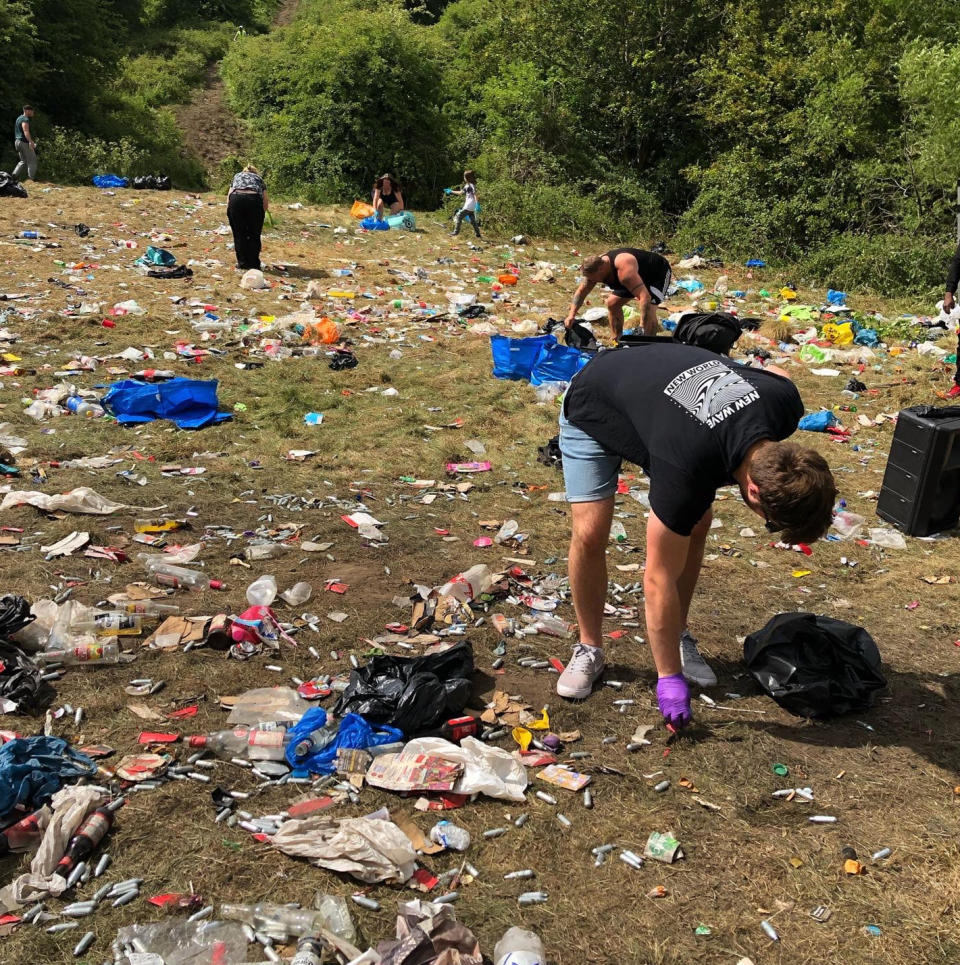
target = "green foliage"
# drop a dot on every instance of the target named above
(335, 103)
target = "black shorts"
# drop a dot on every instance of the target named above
(658, 288)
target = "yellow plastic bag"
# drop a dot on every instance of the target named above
(839, 334)
(361, 210)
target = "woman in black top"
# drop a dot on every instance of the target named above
(246, 206)
(387, 194)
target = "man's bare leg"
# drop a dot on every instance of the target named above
(615, 315)
(651, 324)
(587, 566)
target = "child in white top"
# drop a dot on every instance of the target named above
(469, 209)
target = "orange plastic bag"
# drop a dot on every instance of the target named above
(507, 279)
(361, 210)
(323, 332)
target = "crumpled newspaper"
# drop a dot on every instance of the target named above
(370, 849)
(70, 806)
(429, 934)
(83, 499)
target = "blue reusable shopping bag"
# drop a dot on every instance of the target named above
(514, 358)
(558, 363)
(190, 403)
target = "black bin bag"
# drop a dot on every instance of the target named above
(815, 666)
(411, 693)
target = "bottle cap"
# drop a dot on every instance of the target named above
(217, 585)
(197, 740)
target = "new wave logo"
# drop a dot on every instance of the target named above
(711, 392)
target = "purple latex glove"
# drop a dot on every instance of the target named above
(673, 698)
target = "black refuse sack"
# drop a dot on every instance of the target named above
(579, 336)
(10, 187)
(550, 454)
(151, 182)
(815, 666)
(20, 681)
(716, 331)
(413, 694)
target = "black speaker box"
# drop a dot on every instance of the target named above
(921, 485)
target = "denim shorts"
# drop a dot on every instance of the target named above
(590, 470)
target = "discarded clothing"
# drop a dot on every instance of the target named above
(32, 769)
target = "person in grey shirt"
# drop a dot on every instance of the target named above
(26, 146)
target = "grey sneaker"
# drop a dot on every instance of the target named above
(695, 668)
(582, 672)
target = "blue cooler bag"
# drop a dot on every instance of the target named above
(514, 358)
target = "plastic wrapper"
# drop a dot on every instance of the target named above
(815, 666)
(79, 500)
(486, 769)
(187, 943)
(413, 694)
(370, 849)
(429, 934)
(268, 703)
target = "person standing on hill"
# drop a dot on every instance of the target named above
(949, 301)
(468, 210)
(25, 144)
(629, 273)
(386, 194)
(246, 206)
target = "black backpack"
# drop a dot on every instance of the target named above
(715, 331)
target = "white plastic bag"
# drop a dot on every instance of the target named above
(486, 770)
(254, 279)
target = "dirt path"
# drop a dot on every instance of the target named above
(211, 130)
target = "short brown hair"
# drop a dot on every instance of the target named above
(470, 176)
(795, 489)
(591, 264)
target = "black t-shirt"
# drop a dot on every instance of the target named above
(686, 415)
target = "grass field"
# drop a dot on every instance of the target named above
(889, 776)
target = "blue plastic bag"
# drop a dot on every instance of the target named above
(514, 358)
(818, 421)
(756, 263)
(374, 224)
(835, 297)
(190, 403)
(354, 732)
(110, 181)
(867, 337)
(157, 256)
(558, 363)
(33, 769)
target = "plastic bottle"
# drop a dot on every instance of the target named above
(450, 836)
(150, 608)
(469, 584)
(316, 740)
(79, 406)
(169, 575)
(264, 742)
(92, 831)
(276, 921)
(29, 234)
(309, 952)
(59, 637)
(507, 531)
(618, 532)
(262, 591)
(519, 947)
(336, 915)
(82, 653)
(106, 624)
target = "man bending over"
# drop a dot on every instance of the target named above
(694, 422)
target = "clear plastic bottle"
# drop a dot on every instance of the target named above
(336, 915)
(469, 584)
(82, 653)
(167, 574)
(309, 952)
(78, 406)
(316, 740)
(618, 532)
(150, 608)
(519, 947)
(262, 591)
(264, 742)
(276, 921)
(111, 624)
(450, 836)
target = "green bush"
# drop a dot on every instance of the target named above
(334, 104)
